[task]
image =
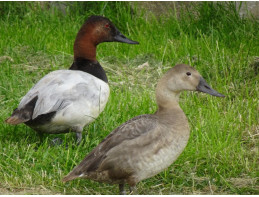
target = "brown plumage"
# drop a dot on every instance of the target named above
(95, 30)
(146, 144)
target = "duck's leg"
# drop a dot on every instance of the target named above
(78, 130)
(40, 136)
(39, 143)
(133, 190)
(55, 142)
(122, 189)
(78, 137)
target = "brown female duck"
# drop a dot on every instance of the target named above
(146, 144)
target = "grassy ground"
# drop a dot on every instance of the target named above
(222, 154)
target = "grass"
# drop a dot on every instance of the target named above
(222, 154)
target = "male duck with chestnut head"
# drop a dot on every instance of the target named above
(68, 100)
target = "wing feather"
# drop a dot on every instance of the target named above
(61, 88)
(131, 129)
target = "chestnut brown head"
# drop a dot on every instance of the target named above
(100, 29)
(95, 30)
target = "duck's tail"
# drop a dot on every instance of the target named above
(18, 116)
(22, 114)
(14, 120)
(69, 177)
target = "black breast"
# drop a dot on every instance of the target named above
(91, 67)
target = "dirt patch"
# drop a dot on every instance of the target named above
(27, 191)
(243, 182)
(4, 58)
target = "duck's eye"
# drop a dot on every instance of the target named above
(107, 25)
(188, 74)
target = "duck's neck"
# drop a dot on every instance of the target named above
(85, 56)
(168, 108)
(85, 44)
(170, 113)
(167, 101)
(89, 66)
(165, 98)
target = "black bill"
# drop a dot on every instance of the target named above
(204, 87)
(119, 37)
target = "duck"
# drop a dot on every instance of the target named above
(68, 100)
(147, 144)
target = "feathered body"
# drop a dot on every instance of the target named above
(70, 99)
(147, 144)
(67, 100)
(150, 142)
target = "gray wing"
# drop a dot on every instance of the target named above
(131, 129)
(59, 89)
